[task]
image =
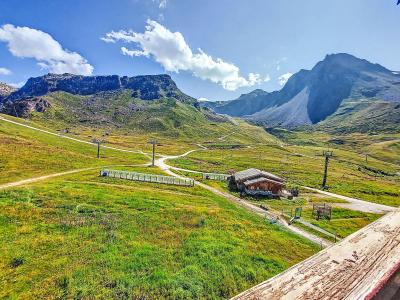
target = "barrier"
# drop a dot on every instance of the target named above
(214, 176)
(143, 177)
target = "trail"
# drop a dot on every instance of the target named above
(44, 177)
(356, 204)
(161, 163)
(71, 138)
(35, 179)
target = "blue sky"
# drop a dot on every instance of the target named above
(245, 44)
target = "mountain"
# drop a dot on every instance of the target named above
(149, 87)
(311, 96)
(364, 116)
(5, 90)
(150, 103)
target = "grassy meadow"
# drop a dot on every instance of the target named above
(26, 153)
(349, 174)
(83, 236)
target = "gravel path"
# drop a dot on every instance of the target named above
(356, 204)
(160, 162)
(40, 178)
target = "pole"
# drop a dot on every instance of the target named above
(154, 151)
(154, 143)
(325, 171)
(327, 155)
(98, 149)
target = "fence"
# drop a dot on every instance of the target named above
(214, 176)
(135, 176)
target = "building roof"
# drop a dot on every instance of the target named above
(261, 179)
(242, 175)
(252, 173)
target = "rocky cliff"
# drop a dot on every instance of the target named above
(149, 87)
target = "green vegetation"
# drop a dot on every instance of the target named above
(26, 153)
(365, 116)
(303, 165)
(88, 237)
(82, 236)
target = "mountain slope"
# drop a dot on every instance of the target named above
(336, 78)
(363, 115)
(141, 104)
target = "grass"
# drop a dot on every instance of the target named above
(343, 222)
(25, 153)
(81, 236)
(88, 237)
(302, 165)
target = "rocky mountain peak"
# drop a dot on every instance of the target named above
(148, 87)
(310, 96)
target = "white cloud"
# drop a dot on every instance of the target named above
(32, 43)
(202, 99)
(5, 71)
(174, 54)
(284, 78)
(267, 78)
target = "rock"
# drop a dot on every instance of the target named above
(24, 108)
(5, 90)
(148, 87)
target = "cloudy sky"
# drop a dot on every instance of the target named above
(214, 49)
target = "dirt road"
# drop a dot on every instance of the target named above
(356, 204)
(44, 177)
(40, 178)
(161, 163)
(71, 138)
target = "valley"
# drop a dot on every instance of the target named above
(66, 232)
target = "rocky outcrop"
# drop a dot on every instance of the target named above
(25, 107)
(5, 90)
(149, 87)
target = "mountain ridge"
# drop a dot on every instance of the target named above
(145, 87)
(331, 81)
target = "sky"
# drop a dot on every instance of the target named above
(213, 49)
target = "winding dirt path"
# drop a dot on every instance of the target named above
(161, 163)
(71, 138)
(356, 204)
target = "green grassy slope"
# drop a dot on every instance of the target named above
(364, 116)
(300, 165)
(26, 153)
(118, 110)
(121, 120)
(83, 236)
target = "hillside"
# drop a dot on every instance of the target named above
(311, 96)
(364, 116)
(141, 104)
(157, 241)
